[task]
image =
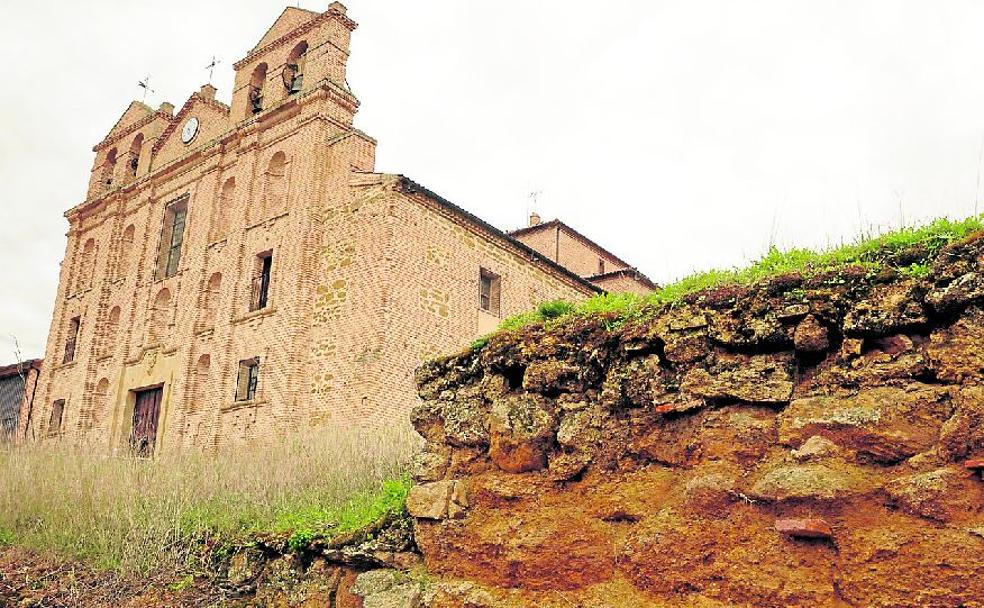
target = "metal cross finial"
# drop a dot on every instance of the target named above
(534, 195)
(211, 67)
(145, 85)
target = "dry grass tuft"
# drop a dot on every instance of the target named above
(139, 515)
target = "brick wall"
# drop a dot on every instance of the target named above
(367, 279)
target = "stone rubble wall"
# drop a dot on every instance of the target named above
(806, 441)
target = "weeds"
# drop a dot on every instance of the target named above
(874, 253)
(140, 515)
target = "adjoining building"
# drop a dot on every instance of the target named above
(239, 271)
(17, 388)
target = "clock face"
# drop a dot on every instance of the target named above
(189, 130)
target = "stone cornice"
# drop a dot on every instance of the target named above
(143, 122)
(305, 27)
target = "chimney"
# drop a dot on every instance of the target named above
(535, 219)
(167, 108)
(207, 91)
(337, 6)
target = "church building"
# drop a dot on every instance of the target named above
(239, 271)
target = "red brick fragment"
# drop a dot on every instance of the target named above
(975, 464)
(810, 527)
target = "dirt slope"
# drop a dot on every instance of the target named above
(802, 442)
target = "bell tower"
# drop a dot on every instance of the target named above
(301, 51)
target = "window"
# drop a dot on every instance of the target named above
(259, 297)
(249, 372)
(134, 161)
(489, 292)
(256, 89)
(601, 266)
(57, 413)
(73, 336)
(172, 237)
(108, 168)
(294, 69)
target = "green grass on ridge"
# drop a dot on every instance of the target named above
(874, 253)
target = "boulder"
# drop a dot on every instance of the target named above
(387, 589)
(889, 308)
(965, 289)
(818, 482)
(752, 378)
(551, 377)
(962, 436)
(521, 431)
(431, 463)
(810, 336)
(943, 495)
(887, 423)
(955, 352)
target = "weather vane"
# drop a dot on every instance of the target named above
(211, 67)
(145, 85)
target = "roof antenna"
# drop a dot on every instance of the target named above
(145, 85)
(211, 67)
(534, 216)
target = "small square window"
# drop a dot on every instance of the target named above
(249, 373)
(489, 291)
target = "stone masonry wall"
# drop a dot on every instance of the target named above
(807, 441)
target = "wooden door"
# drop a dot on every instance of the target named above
(146, 411)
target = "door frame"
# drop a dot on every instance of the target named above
(131, 403)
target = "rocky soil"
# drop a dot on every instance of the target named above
(808, 441)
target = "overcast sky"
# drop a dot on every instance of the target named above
(681, 134)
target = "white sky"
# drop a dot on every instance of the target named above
(681, 134)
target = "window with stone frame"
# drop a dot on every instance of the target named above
(489, 292)
(71, 339)
(249, 375)
(172, 238)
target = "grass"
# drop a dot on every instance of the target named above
(142, 515)
(873, 252)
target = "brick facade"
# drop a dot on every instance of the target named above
(163, 283)
(571, 249)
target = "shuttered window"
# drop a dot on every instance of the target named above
(172, 238)
(489, 292)
(249, 374)
(260, 296)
